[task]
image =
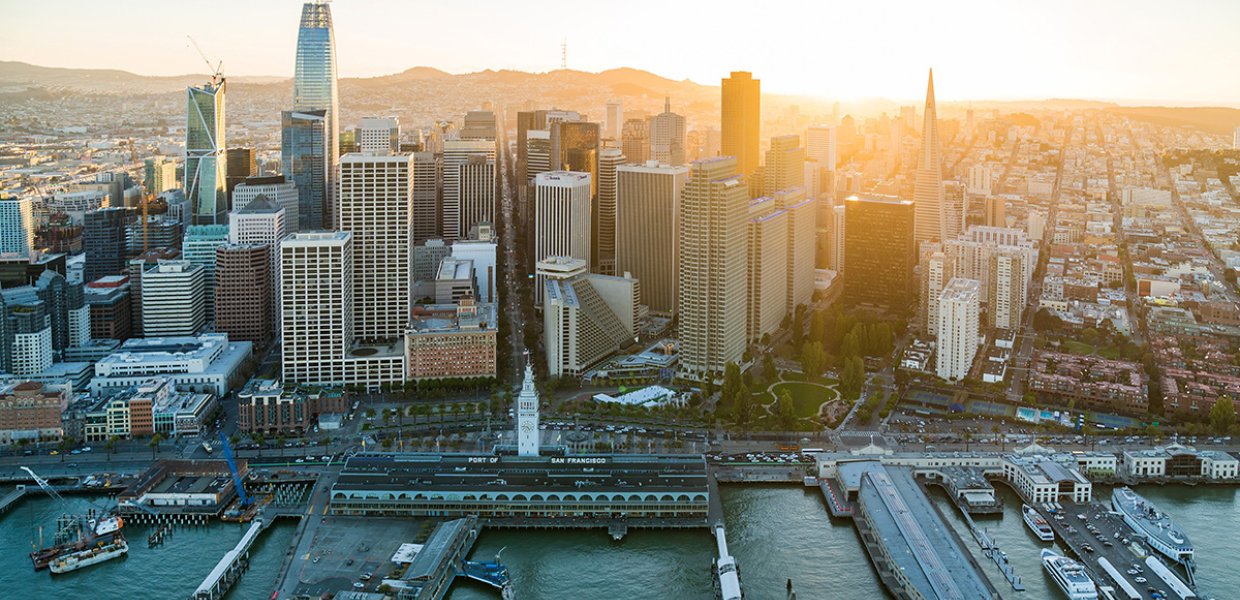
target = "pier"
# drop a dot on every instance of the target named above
(726, 576)
(230, 568)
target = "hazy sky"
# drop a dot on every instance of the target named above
(1185, 51)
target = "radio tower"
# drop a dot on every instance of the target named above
(564, 54)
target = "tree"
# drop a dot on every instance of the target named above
(1223, 415)
(852, 377)
(813, 359)
(768, 368)
(742, 407)
(731, 380)
(154, 443)
(786, 409)
(110, 445)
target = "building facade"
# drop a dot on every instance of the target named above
(647, 230)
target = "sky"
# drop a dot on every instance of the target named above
(1183, 52)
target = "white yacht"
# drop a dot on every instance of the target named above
(1037, 524)
(1070, 576)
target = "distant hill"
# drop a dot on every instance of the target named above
(1216, 120)
(19, 76)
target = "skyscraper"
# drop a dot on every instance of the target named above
(379, 134)
(205, 160)
(427, 178)
(879, 252)
(766, 283)
(667, 136)
(711, 302)
(457, 153)
(609, 159)
(785, 164)
(173, 299)
(635, 140)
(103, 239)
(243, 300)
(957, 329)
(742, 120)
(615, 120)
(305, 158)
(314, 89)
(479, 125)
(928, 198)
(16, 226)
(198, 248)
(562, 215)
(277, 190)
(802, 231)
(374, 205)
(647, 220)
(476, 177)
(240, 163)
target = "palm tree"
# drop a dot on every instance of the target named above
(968, 437)
(110, 445)
(280, 441)
(154, 443)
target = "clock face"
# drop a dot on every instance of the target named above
(527, 427)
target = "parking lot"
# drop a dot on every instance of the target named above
(1092, 532)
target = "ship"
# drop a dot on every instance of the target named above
(75, 533)
(79, 559)
(1159, 531)
(1037, 524)
(1070, 576)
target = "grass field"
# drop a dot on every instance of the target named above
(806, 398)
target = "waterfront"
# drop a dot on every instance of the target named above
(776, 533)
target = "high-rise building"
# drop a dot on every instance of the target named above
(198, 248)
(314, 89)
(306, 161)
(480, 249)
(878, 247)
(278, 191)
(531, 120)
(243, 296)
(260, 221)
(635, 140)
(67, 310)
(318, 342)
(957, 329)
(476, 177)
(562, 215)
(970, 256)
(240, 164)
(160, 175)
(667, 136)
(711, 304)
(527, 415)
(16, 227)
(111, 313)
(608, 161)
(980, 178)
(479, 125)
(835, 239)
(374, 205)
(103, 239)
(996, 211)
(615, 120)
(538, 153)
(785, 164)
(767, 284)
(587, 318)
(1008, 286)
(647, 230)
(820, 145)
(173, 299)
(205, 160)
(741, 120)
(28, 334)
(934, 276)
(802, 233)
(932, 221)
(455, 154)
(379, 134)
(427, 179)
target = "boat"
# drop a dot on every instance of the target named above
(1159, 531)
(76, 533)
(94, 555)
(1037, 524)
(1070, 575)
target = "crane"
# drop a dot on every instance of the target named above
(246, 500)
(216, 70)
(47, 487)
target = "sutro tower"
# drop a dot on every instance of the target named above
(564, 53)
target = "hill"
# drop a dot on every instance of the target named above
(1210, 119)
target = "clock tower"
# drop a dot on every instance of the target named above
(527, 415)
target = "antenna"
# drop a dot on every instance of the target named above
(217, 70)
(564, 53)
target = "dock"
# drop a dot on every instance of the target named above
(442, 559)
(231, 566)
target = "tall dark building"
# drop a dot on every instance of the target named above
(111, 309)
(741, 120)
(305, 158)
(575, 147)
(65, 302)
(879, 253)
(240, 163)
(243, 296)
(103, 238)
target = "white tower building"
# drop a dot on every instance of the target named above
(379, 134)
(527, 415)
(958, 329)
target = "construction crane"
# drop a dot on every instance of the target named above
(47, 487)
(246, 500)
(216, 70)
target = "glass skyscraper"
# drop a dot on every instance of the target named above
(204, 153)
(304, 156)
(314, 89)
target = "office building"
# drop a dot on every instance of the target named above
(587, 318)
(266, 406)
(647, 230)
(767, 280)
(957, 329)
(317, 316)
(562, 215)
(933, 223)
(308, 162)
(802, 233)
(785, 164)
(173, 297)
(426, 259)
(1008, 286)
(209, 363)
(481, 251)
(31, 412)
(835, 239)
(374, 205)
(608, 161)
(477, 180)
(198, 248)
(820, 146)
(158, 231)
(243, 295)
(379, 135)
(205, 160)
(538, 153)
(934, 277)
(711, 304)
(109, 302)
(240, 164)
(66, 309)
(278, 190)
(103, 239)
(28, 335)
(16, 227)
(741, 121)
(456, 154)
(635, 140)
(427, 180)
(996, 211)
(479, 125)
(315, 90)
(260, 222)
(667, 136)
(455, 340)
(615, 120)
(879, 252)
(575, 147)
(160, 175)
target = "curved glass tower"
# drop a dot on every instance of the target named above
(314, 88)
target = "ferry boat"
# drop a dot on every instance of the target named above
(1037, 524)
(1159, 531)
(1070, 576)
(90, 556)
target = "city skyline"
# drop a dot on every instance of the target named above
(979, 54)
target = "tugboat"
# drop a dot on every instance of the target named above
(1037, 524)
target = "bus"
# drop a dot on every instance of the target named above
(810, 452)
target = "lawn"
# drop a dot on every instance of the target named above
(806, 398)
(1076, 347)
(1110, 353)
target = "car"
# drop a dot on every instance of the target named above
(300, 461)
(54, 452)
(357, 585)
(366, 576)
(86, 449)
(1140, 579)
